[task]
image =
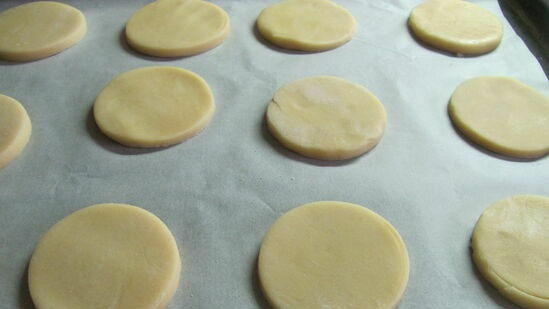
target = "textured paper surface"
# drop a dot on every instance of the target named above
(220, 191)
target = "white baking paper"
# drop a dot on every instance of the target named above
(221, 190)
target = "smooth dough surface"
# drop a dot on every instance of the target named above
(39, 29)
(15, 129)
(332, 255)
(456, 26)
(502, 115)
(510, 246)
(154, 106)
(105, 256)
(307, 25)
(176, 28)
(326, 117)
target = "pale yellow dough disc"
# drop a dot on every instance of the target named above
(105, 256)
(332, 255)
(502, 115)
(456, 26)
(326, 117)
(307, 25)
(511, 249)
(176, 28)
(154, 106)
(15, 129)
(39, 29)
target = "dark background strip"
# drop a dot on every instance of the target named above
(530, 19)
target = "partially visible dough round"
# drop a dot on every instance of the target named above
(176, 28)
(307, 25)
(326, 117)
(332, 255)
(502, 115)
(510, 246)
(105, 256)
(154, 106)
(456, 26)
(39, 29)
(15, 129)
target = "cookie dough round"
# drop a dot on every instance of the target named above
(105, 256)
(39, 29)
(510, 247)
(332, 255)
(326, 117)
(502, 115)
(456, 26)
(176, 28)
(15, 129)
(306, 25)
(154, 107)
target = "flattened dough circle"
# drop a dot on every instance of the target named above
(154, 106)
(510, 246)
(332, 255)
(15, 129)
(39, 29)
(176, 28)
(307, 25)
(105, 256)
(502, 115)
(456, 26)
(326, 117)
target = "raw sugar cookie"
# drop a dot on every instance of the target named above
(502, 115)
(37, 30)
(15, 129)
(456, 26)
(332, 255)
(105, 256)
(154, 107)
(326, 117)
(510, 247)
(307, 25)
(176, 28)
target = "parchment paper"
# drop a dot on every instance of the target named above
(221, 190)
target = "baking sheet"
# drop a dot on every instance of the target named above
(221, 190)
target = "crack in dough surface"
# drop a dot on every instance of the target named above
(326, 117)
